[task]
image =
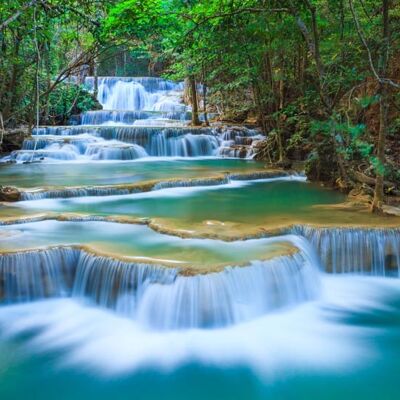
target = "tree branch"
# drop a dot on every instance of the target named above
(11, 19)
(360, 33)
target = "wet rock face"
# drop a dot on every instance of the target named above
(74, 119)
(238, 141)
(236, 151)
(9, 193)
(13, 139)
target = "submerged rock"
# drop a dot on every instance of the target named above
(9, 193)
(391, 210)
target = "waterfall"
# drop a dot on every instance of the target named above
(124, 96)
(150, 84)
(123, 143)
(234, 295)
(191, 183)
(64, 193)
(30, 275)
(164, 297)
(118, 189)
(62, 153)
(73, 192)
(114, 150)
(130, 117)
(159, 296)
(156, 141)
(143, 111)
(119, 94)
(356, 250)
(117, 284)
(189, 145)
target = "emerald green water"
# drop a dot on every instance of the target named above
(242, 202)
(136, 241)
(343, 345)
(106, 173)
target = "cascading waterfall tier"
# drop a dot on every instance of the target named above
(234, 295)
(150, 84)
(112, 190)
(133, 94)
(117, 284)
(126, 143)
(80, 141)
(119, 189)
(356, 250)
(77, 147)
(141, 111)
(131, 117)
(177, 141)
(158, 296)
(36, 274)
(114, 150)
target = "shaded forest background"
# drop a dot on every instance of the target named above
(320, 78)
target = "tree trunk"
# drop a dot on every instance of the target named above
(312, 41)
(203, 72)
(383, 112)
(205, 104)
(95, 79)
(380, 153)
(193, 97)
(267, 75)
(11, 88)
(258, 103)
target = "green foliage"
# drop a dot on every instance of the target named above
(264, 61)
(367, 101)
(255, 60)
(67, 100)
(378, 166)
(46, 41)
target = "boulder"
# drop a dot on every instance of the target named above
(9, 193)
(13, 139)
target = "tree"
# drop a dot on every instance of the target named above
(43, 43)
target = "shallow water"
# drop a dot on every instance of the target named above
(138, 241)
(103, 173)
(240, 201)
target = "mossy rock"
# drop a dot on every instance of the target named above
(9, 193)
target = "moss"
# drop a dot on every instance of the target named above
(9, 194)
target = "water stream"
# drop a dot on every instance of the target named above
(149, 259)
(141, 117)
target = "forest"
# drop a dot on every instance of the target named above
(320, 78)
(199, 199)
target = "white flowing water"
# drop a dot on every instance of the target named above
(166, 188)
(140, 94)
(157, 296)
(31, 275)
(238, 294)
(162, 313)
(141, 117)
(125, 143)
(372, 251)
